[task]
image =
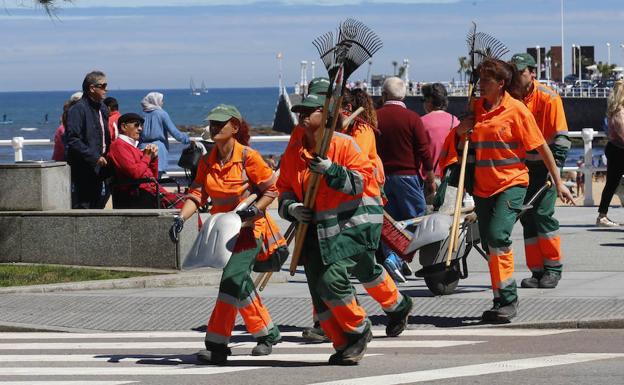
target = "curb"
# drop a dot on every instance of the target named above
(583, 323)
(203, 277)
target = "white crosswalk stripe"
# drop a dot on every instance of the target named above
(123, 354)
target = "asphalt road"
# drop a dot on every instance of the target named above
(436, 356)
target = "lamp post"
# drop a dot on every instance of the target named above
(539, 67)
(573, 58)
(313, 70)
(609, 54)
(562, 50)
(548, 68)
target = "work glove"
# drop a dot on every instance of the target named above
(320, 165)
(300, 212)
(176, 228)
(248, 213)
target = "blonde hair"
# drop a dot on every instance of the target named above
(616, 98)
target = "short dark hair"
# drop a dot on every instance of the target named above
(111, 103)
(90, 79)
(435, 92)
(498, 70)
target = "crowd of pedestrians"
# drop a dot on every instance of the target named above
(386, 160)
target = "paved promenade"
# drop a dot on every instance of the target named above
(591, 293)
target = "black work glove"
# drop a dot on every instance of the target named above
(248, 213)
(176, 228)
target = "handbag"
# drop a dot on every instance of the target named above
(190, 157)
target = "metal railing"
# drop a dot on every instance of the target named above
(462, 90)
(587, 134)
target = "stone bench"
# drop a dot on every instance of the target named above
(130, 238)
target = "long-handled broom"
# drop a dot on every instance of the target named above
(481, 46)
(356, 43)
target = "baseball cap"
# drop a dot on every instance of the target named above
(130, 117)
(318, 86)
(223, 113)
(523, 60)
(310, 101)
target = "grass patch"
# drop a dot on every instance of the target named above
(24, 275)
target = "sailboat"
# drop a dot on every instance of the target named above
(194, 91)
(204, 90)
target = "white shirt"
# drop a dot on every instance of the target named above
(128, 140)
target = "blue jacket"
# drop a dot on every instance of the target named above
(84, 134)
(156, 129)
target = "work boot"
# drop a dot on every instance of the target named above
(532, 282)
(397, 321)
(393, 265)
(354, 352)
(264, 347)
(500, 313)
(214, 354)
(336, 358)
(314, 334)
(549, 280)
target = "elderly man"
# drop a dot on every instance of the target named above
(542, 244)
(88, 139)
(403, 147)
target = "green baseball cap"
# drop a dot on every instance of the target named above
(318, 86)
(223, 113)
(311, 101)
(523, 60)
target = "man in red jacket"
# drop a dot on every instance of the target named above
(403, 146)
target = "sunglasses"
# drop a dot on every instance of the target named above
(101, 86)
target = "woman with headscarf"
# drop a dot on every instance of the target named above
(157, 127)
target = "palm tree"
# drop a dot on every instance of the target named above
(463, 61)
(605, 70)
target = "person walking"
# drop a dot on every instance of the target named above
(228, 175)
(614, 151)
(403, 147)
(501, 131)
(157, 128)
(88, 140)
(345, 226)
(542, 244)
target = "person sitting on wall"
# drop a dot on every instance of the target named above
(130, 163)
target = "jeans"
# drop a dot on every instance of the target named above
(406, 197)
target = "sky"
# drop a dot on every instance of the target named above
(233, 43)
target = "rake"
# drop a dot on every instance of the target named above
(481, 46)
(355, 44)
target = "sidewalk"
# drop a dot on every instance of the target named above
(591, 293)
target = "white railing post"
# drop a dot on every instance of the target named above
(18, 145)
(588, 137)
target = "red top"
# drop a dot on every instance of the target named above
(112, 124)
(402, 143)
(130, 163)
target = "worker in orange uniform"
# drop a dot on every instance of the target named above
(542, 244)
(228, 175)
(501, 131)
(345, 225)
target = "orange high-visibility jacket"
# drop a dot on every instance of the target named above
(500, 139)
(547, 109)
(348, 211)
(364, 136)
(228, 185)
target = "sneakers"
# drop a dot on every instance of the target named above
(214, 354)
(532, 282)
(264, 347)
(549, 280)
(606, 222)
(500, 313)
(314, 334)
(394, 266)
(397, 322)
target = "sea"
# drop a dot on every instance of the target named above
(36, 115)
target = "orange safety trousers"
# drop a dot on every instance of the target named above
(237, 295)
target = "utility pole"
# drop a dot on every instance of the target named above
(279, 74)
(562, 49)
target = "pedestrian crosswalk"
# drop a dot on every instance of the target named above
(52, 358)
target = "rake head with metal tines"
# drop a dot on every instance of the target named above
(362, 41)
(482, 46)
(325, 46)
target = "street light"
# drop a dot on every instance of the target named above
(539, 67)
(548, 67)
(608, 53)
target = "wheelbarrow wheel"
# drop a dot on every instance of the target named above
(443, 282)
